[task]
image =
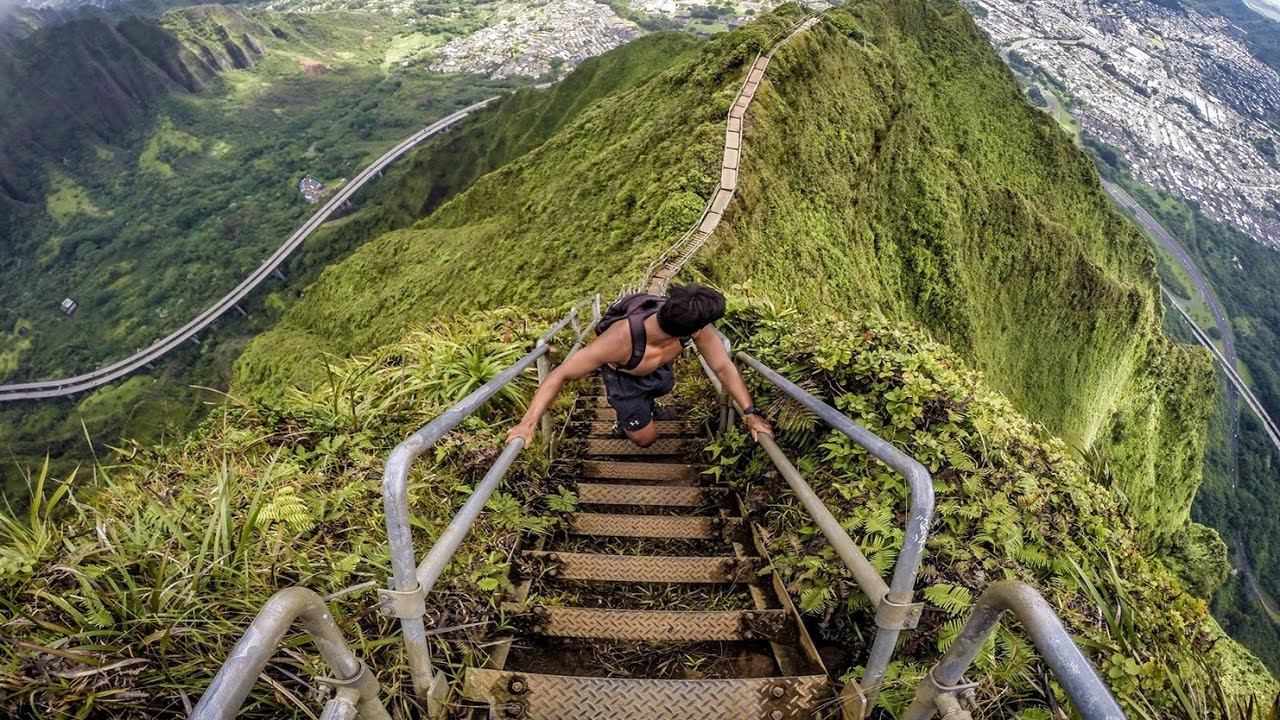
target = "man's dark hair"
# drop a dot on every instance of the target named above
(689, 308)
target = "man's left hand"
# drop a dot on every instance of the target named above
(757, 425)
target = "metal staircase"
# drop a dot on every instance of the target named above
(601, 625)
(751, 657)
(589, 639)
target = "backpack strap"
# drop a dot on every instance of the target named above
(639, 340)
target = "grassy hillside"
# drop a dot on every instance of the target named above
(581, 212)
(907, 175)
(199, 533)
(1011, 503)
(912, 176)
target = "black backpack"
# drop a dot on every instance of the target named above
(635, 308)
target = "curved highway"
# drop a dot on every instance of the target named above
(1202, 287)
(120, 368)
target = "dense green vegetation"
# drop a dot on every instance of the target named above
(1249, 513)
(1011, 504)
(126, 589)
(146, 205)
(898, 192)
(913, 177)
(584, 211)
(144, 230)
(264, 497)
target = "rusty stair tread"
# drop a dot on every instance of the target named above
(630, 470)
(647, 568)
(602, 428)
(620, 446)
(543, 697)
(650, 495)
(652, 625)
(649, 526)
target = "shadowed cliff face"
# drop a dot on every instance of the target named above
(89, 79)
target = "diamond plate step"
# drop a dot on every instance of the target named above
(664, 427)
(653, 625)
(663, 446)
(559, 697)
(646, 568)
(621, 470)
(649, 495)
(648, 526)
(599, 414)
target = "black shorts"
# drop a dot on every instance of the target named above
(632, 396)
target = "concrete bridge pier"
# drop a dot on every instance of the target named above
(278, 275)
(241, 311)
(195, 340)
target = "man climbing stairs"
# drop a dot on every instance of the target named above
(649, 532)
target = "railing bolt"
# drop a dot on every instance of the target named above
(775, 715)
(517, 686)
(513, 710)
(778, 691)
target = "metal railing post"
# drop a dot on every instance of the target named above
(433, 565)
(919, 516)
(359, 688)
(404, 586)
(544, 369)
(405, 597)
(1071, 669)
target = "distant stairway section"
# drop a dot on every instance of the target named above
(660, 271)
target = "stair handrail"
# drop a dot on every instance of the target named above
(895, 609)
(357, 690)
(405, 598)
(944, 688)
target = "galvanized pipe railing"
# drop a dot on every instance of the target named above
(890, 610)
(409, 583)
(357, 688)
(895, 610)
(944, 686)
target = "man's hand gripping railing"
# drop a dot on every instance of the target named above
(410, 582)
(895, 610)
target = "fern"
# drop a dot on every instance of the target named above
(287, 509)
(563, 501)
(952, 599)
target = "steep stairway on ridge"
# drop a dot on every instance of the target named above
(649, 532)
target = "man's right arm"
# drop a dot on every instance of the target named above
(587, 360)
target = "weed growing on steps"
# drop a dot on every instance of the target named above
(123, 600)
(1011, 503)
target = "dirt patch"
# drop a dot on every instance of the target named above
(313, 67)
(367, 39)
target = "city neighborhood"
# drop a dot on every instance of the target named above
(1175, 91)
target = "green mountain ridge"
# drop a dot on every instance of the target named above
(1011, 254)
(92, 78)
(910, 238)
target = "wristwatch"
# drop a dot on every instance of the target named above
(752, 410)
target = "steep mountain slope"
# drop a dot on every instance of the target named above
(911, 176)
(282, 486)
(89, 79)
(906, 175)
